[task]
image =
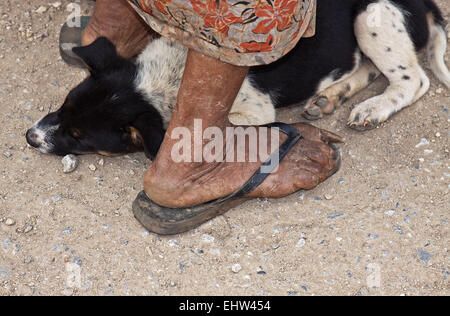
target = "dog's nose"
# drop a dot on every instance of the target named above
(32, 138)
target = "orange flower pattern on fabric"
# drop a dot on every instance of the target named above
(216, 15)
(161, 5)
(145, 5)
(240, 32)
(277, 13)
(254, 47)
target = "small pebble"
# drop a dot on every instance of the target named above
(373, 236)
(260, 269)
(207, 238)
(92, 167)
(173, 242)
(261, 272)
(424, 256)
(236, 268)
(67, 230)
(444, 109)
(328, 197)
(398, 229)
(70, 163)
(7, 154)
(301, 243)
(423, 142)
(10, 222)
(28, 260)
(407, 219)
(41, 10)
(101, 162)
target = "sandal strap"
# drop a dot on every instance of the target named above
(259, 176)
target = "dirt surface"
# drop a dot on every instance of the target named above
(378, 227)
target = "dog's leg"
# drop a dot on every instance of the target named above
(326, 101)
(436, 48)
(391, 49)
(252, 107)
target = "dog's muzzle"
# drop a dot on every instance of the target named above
(40, 136)
(33, 138)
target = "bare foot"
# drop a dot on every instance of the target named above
(119, 22)
(310, 162)
(207, 93)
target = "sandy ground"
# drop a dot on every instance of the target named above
(378, 227)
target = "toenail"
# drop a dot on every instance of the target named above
(322, 102)
(315, 111)
(330, 137)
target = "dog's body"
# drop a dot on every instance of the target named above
(356, 41)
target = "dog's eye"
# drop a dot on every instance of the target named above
(75, 133)
(126, 130)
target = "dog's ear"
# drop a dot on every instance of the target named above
(148, 131)
(98, 56)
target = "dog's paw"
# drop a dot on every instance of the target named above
(368, 115)
(315, 108)
(312, 113)
(320, 105)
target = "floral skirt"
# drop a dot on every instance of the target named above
(239, 32)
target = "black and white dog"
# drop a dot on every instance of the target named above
(124, 107)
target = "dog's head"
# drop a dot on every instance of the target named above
(105, 114)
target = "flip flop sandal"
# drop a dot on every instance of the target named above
(69, 38)
(170, 221)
